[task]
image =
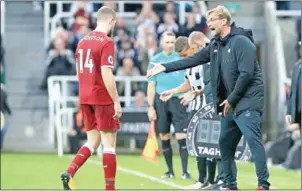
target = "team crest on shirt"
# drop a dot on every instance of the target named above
(110, 59)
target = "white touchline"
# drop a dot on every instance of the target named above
(154, 179)
(143, 175)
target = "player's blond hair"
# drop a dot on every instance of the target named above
(197, 37)
(221, 12)
(105, 14)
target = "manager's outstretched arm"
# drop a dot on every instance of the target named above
(200, 57)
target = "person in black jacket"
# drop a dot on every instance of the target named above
(237, 85)
(293, 118)
(294, 99)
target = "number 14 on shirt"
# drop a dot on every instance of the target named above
(88, 63)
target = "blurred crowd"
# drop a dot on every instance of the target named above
(136, 41)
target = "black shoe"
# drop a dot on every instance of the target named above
(67, 181)
(186, 176)
(168, 175)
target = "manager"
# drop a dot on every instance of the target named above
(237, 88)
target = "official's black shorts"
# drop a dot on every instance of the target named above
(170, 112)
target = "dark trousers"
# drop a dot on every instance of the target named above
(206, 169)
(221, 171)
(232, 128)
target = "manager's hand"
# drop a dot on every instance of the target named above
(227, 107)
(157, 69)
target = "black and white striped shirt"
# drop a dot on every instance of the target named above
(195, 77)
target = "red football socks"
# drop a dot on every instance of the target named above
(109, 165)
(82, 155)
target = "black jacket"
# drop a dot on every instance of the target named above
(240, 79)
(207, 83)
(292, 99)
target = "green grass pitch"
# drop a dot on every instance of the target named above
(42, 171)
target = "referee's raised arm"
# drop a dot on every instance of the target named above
(200, 57)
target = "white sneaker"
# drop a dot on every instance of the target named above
(195, 186)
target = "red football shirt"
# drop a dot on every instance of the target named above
(94, 51)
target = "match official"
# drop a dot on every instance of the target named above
(237, 84)
(171, 112)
